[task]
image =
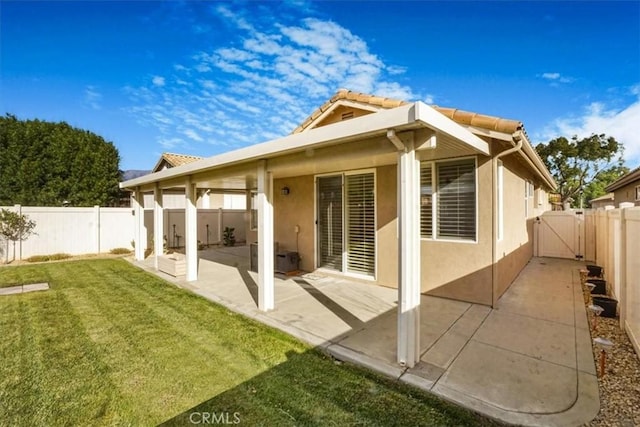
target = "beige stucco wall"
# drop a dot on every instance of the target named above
(626, 194)
(295, 209)
(452, 269)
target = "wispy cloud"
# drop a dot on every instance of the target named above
(92, 98)
(262, 82)
(556, 78)
(158, 81)
(598, 117)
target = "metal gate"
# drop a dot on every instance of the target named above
(561, 234)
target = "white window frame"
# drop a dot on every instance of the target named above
(434, 197)
(637, 192)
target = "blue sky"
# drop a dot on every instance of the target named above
(206, 77)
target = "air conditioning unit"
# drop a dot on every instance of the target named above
(287, 262)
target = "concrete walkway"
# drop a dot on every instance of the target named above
(23, 289)
(527, 362)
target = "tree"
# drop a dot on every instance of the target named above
(14, 227)
(583, 167)
(46, 164)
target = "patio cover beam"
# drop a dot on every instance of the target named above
(408, 253)
(140, 232)
(266, 297)
(158, 225)
(190, 231)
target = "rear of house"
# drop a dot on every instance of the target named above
(425, 199)
(345, 221)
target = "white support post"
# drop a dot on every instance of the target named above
(190, 232)
(408, 255)
(158, 224)
(266, 296)
(139, 238)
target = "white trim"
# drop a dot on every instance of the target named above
(637, 189)
(334, 106)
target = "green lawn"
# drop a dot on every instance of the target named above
(110, 344)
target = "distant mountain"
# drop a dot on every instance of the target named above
(133, 173)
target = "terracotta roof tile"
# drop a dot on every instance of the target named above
(463, 117)
(173, 160)
(179, 159)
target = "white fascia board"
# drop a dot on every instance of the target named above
(396, 118)
(440, 123)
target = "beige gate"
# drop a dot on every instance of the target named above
(560, 234)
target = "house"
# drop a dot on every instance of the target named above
(399, 194)
(626, 188)
(602, 201)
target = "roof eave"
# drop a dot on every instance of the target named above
(406, 117)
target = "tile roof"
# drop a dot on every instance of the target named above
(173, 160)
(632, 176)
(463, 117)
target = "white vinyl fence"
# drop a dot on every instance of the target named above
(77, 231)
(73, 230)
(617, 234)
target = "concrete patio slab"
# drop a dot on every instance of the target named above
(528, 361)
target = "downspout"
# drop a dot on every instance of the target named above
(517, 137)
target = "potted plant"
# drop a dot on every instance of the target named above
(228, 238)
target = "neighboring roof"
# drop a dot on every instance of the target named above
(497, 124)
(629, 178)
(172, 160)
(608, 196)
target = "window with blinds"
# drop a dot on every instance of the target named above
(448, 200)
(426, 201)
(456, 200)
(360, 219)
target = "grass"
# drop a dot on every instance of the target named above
(109, 344)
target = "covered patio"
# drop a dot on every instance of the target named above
(398, 136)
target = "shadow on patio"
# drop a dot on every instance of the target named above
(528, 361)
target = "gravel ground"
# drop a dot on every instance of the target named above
(620, 385)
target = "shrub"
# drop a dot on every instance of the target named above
(38, 258)
(120, 251)
(45, 258)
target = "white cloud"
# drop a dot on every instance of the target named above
(158, 81)
(621, 123)
(262, 82)
(92, 97)
(556, 78)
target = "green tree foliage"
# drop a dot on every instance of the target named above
(583, 167)
(45, 164)
(14, 227)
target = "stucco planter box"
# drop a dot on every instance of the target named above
(173, 264)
